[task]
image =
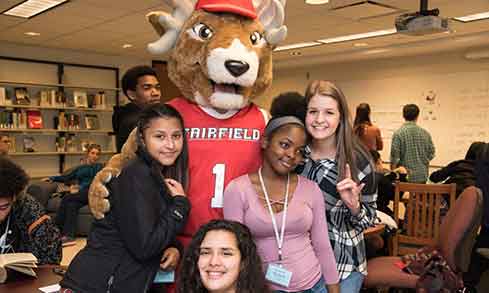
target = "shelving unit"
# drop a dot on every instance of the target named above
(64, 78)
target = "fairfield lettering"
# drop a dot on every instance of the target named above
(223, 133)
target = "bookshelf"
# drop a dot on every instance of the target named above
(51, 109)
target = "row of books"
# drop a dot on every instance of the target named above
(21, 119)
(70, 144)
(71, 121)
(32, 119)
(52, 98)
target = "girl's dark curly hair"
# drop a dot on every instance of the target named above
(13, 179)
(251, 278)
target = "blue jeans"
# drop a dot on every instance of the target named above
(352, 284)
(320, 287)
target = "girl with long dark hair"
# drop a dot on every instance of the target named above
(149, 208)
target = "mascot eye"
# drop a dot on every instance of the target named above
(203, 31)
(255, 38)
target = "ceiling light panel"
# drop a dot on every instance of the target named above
(358, 36)
(297, 46)
(30, 8)
(472, 17)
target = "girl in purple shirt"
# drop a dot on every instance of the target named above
(285, 213)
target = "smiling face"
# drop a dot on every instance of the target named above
(164, 140)
(221, 60)
(283, 150)
(322, 118)
(219, 261)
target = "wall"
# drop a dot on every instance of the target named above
(459, 116)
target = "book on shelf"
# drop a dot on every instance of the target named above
(84, 144)
(61, 144)
(47, 98)
(98, 101)
(70, 144)
(60, 122)
(3, 96)
(29, 144)
(13, 119)
(22, 96)
(20, 262)
(91, 122)
(80, 99)
(73, 121)
(11, 145)
(34, 119)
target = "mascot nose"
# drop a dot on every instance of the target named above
(236, 67)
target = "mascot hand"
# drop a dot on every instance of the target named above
(98, 193)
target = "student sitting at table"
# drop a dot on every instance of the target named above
(24, 225)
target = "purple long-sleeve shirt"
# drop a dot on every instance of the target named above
(306, 251)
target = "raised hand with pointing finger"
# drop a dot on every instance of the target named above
(350, 191)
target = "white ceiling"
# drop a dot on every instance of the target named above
(103, 26)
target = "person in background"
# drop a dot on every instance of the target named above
(386, 180)
(341, 166)
(24, 225)
(126, 248)
(368, 133)
(460, 172)
(4, 144)
(275, 199)
(67, 213)
(141, 86)
(222, 257)
(412, 146)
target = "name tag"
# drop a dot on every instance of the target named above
(278, 275)
(164, 277)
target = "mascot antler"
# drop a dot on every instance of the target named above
(271, 14)
(169, 26)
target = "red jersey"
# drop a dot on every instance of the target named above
(219, 151)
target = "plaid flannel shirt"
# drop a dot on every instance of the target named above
(412, 148)
(345, 230)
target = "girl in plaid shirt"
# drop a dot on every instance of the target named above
(342, 168)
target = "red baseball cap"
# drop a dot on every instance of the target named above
(241, 7)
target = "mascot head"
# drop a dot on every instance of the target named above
(221, 50)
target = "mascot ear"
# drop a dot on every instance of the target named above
(271, 14)
(168, 26)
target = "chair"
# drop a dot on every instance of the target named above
(422, 217)
(43, 191)
(456, 240)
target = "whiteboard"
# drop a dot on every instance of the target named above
(454, 108)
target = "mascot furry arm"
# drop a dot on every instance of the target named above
(221, 59)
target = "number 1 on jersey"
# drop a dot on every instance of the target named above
(217, 199)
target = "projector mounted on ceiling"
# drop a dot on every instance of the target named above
(423, 22)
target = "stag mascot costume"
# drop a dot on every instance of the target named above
(221, 59)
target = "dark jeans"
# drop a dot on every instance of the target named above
(67, 214)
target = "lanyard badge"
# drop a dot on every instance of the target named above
(275, 272)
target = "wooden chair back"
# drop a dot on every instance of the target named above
(422, 217)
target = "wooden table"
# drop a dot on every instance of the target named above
(21, 283)
(375, 230)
